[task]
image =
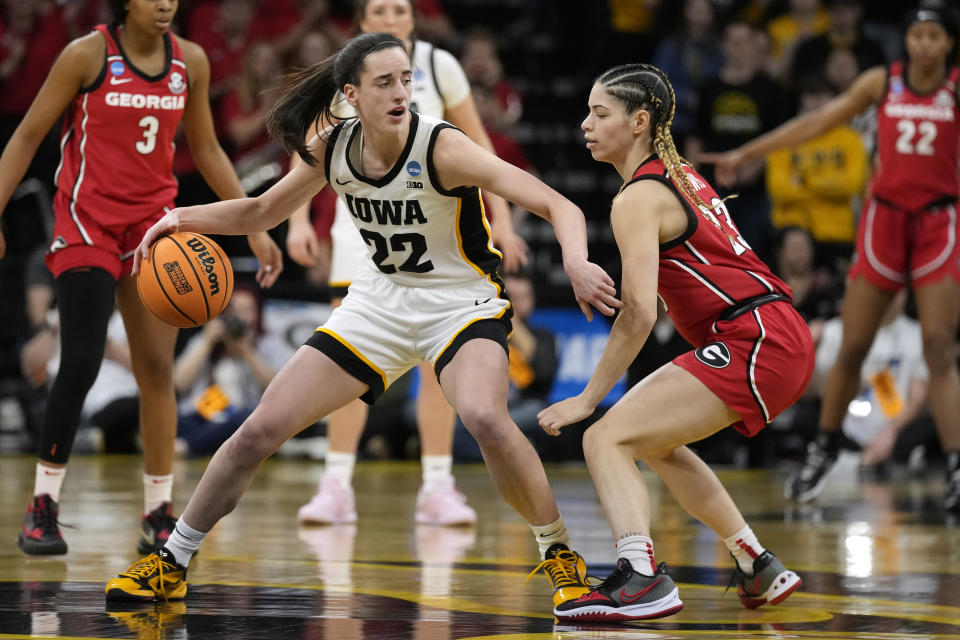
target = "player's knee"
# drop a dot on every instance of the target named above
(154, 372)
(596, 443)
(252, 443)
(484, 423)
(938, 351)
(79, 367)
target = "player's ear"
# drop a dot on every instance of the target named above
(350, 93)
(640, 121)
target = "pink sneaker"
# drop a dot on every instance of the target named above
(440, 503)
(333, 504)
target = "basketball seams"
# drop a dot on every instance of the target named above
(159, 281)
(200, 283)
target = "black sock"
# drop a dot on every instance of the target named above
(85, 302)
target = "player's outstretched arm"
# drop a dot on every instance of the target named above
(461, 162)
(242, 216)
(865, 90)
(635, 218)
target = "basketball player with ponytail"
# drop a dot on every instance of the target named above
(428, 291)
(753, 356)
(124, 88)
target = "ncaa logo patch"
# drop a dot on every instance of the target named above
(116, 68)
(714, 355)
(414, 168)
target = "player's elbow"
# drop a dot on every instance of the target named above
(637, 317)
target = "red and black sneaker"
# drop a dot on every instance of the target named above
(40, 535)
(625, 595)
(155, 528)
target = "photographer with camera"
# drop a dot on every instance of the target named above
(222, 373)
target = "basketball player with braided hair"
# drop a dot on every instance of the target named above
(753, 355)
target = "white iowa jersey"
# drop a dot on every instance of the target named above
(416, 233)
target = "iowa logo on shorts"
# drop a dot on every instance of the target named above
(714, 355)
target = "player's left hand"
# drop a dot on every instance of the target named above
(268, 256)
(169, 223)
(564, 413)
(592, 286)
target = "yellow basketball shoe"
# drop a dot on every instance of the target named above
(155, 577)
(567, 571)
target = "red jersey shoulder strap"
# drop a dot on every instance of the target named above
(113, 49)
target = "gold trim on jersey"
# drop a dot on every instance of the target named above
(433, 362)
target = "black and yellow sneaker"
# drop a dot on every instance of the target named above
(156, 577)
(567, 572)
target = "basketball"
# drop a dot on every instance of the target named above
(186, 280)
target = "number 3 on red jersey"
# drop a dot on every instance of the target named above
(739, 245)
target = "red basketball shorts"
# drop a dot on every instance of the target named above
(895, 247)
(84, 239)
(759, 363)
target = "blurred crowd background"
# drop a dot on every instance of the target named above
(739, 68)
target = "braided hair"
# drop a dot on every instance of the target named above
(644, 86)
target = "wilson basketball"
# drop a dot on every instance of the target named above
(187, 279)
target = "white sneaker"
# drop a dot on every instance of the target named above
(333, 503)
(440, 503)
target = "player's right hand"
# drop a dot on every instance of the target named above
(593, 287)
(725, 165)
(169, 223)
(303, 244)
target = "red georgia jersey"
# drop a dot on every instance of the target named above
(117, 145)
(710, 268)
(917, 143)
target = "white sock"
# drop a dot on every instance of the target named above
(436, 467)
(639, 551)
(184, 542)
(340, 466)
(548, 535)
(48, 480)
(745, 547)
(156, 491)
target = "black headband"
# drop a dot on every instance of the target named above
(379, 45)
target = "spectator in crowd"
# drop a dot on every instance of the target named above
(632, 35)
(841, 69)
(844, 34)
(815, 185)
(243, 111)
(741, 103)
(32, 34)
(222, 373)
(662, 346)
(690, 57)
(803, 19)
(482, 65)
(497, 125)
(225, 30)
(816, 291)
(893, 390)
